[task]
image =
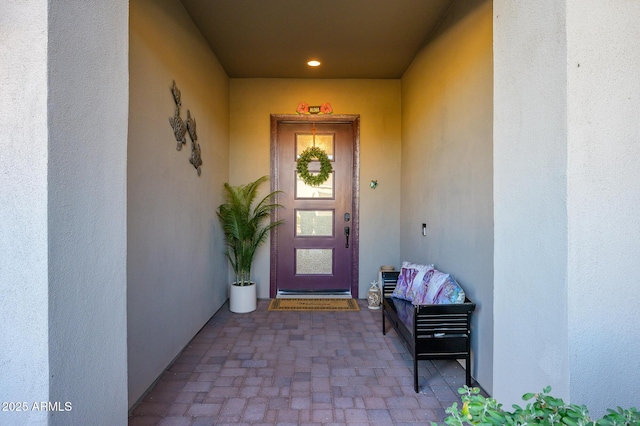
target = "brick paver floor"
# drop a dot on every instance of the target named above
(298, 368)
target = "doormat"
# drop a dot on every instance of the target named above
(322, 305)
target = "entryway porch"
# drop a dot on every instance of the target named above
(298, 368)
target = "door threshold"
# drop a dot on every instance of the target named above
(288, 294)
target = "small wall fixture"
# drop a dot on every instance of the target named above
(313, 63)
(373, 184)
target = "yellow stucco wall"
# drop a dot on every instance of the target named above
(447, 163)
(378, 104)
(174, 241)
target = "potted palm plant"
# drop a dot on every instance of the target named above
(245, 227)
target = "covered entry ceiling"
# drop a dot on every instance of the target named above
(352, 38)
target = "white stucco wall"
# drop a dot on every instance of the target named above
(88, 104)
(447, 164)
(567, 192)
(603, 203)
(378, 104)
(530, 163)
(176, 269)
(24, 324)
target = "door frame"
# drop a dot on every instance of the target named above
(354, 120)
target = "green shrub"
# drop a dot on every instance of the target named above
(543, 410)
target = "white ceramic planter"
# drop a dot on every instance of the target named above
(242, 298)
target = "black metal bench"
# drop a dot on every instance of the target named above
(428, 331)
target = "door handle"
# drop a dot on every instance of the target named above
(346, 235)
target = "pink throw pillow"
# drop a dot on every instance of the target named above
(408, 274)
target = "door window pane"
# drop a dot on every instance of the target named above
(324, 142)
(314, 261)
(324, 190)
(314, 223)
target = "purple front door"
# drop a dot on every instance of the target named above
(314, 248)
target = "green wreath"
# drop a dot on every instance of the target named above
(302, 167)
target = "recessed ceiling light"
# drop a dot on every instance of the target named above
(314, 63)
